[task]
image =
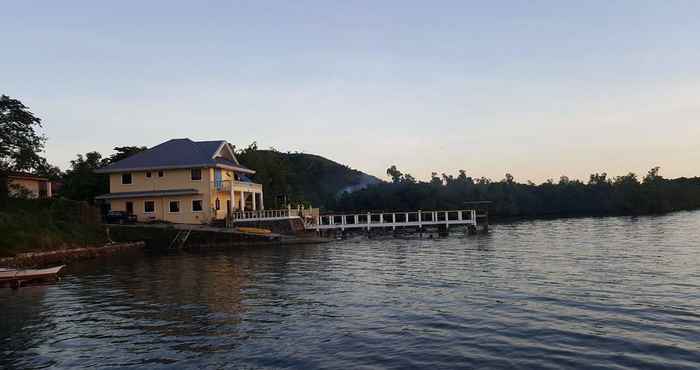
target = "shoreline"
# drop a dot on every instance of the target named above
(63, 256)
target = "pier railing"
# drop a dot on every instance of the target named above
(314, 221)
(396, 219)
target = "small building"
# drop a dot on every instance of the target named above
(29, 185)
(182, 181)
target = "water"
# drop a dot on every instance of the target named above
(576, 293)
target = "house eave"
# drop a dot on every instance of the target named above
(157, 168)
(147, 194)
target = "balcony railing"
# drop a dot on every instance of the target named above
(226, 185)
(222, 185)
(308, 215)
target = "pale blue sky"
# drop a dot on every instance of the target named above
(534, 88)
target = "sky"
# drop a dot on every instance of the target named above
(538, 89)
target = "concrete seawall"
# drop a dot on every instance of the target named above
(160, 236)
(62, 256)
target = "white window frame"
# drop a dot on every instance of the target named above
(178, 206)
(201, 174)
(131, 175)
(201, 205)
(154, 207)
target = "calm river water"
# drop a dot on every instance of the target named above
(616, 292)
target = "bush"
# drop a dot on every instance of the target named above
(33, 225)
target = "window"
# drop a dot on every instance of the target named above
(197, 205)
(126, 178)
(174, 206)
(149, 206)
(130, 208)
(160, 173)
(196, 174)
(217, 204)
(148, 174)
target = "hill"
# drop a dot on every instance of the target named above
(302, 178)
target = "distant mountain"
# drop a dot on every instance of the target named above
(300, 177)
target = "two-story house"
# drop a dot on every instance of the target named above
(182, 181)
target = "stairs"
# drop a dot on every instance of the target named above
(180, 239)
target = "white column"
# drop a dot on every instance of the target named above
(255, 208)
(241, 201)
(262, 202)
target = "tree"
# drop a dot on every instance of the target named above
(20, 144)
(395, 174)
(81, 182)
(123, 152)
(652, 176)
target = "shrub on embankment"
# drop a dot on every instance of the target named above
(48, 224)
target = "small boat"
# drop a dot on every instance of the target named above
(17, 277)
(252, 230)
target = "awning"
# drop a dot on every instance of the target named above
(148, 194)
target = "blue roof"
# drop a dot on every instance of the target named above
(176, 153)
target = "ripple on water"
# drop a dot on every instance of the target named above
(575, 293)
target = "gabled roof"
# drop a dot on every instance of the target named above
(178, 153)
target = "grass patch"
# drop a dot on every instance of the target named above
(40, 225)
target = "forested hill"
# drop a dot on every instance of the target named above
(301, 177)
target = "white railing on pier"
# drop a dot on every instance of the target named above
(395, 219)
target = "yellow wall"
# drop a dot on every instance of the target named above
(172, 179)
(179, 179)
(32, 185)
(162, 207)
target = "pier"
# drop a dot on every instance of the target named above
(312, 220)
(394, 220)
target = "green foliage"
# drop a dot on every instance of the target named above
(600, 196)
(300, 178)
(33, 225)
(80, 182)
(122, 152)
(20, 144)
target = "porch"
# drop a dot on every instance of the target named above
(230, 196)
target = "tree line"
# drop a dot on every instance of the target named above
(600, 195)
(301, 178)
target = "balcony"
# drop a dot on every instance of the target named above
(224, 186)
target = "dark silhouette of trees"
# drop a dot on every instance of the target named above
(567, 197)
(20, 144)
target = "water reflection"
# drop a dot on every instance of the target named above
(616, 292)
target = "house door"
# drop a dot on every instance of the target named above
(129, 208)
